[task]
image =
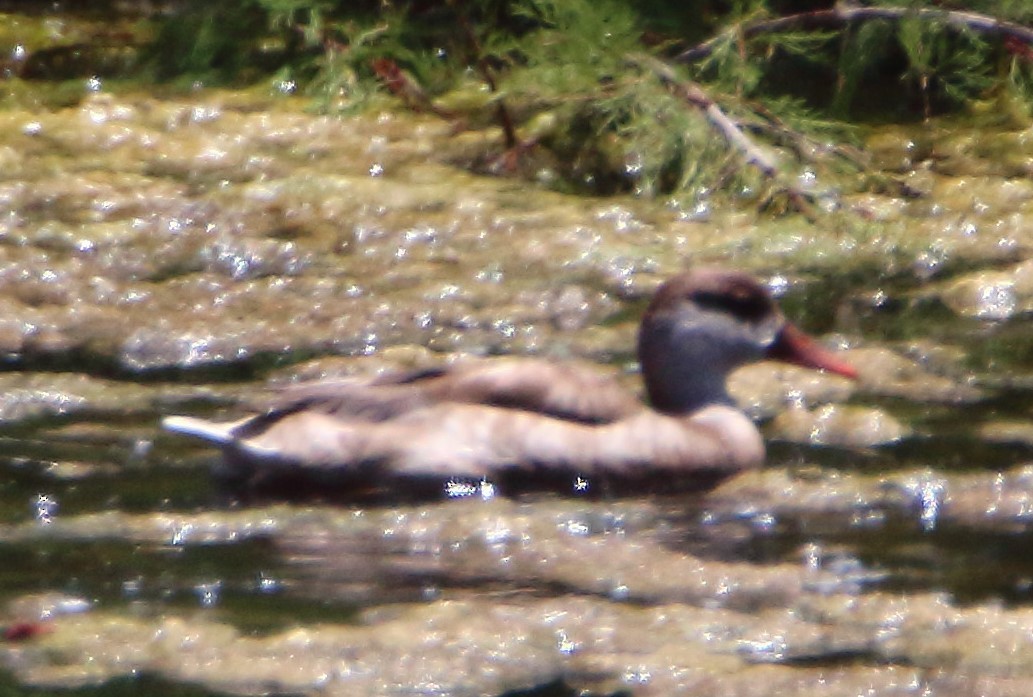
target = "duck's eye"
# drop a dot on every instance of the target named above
(740, 303)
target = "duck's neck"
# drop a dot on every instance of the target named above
(674, 391)
(683, 375)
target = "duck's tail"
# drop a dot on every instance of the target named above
(216, 433)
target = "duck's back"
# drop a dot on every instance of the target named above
(570, 392)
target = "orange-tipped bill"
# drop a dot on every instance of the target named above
(793, 346)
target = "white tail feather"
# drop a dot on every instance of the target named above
(218, 433)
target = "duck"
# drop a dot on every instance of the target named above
(518, 421)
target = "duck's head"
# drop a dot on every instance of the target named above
(703, 324)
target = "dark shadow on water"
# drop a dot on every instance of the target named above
(951, 451)
(560, 689)
(133, 489)
(972, 565)
(119, 687)
(890, 550)
(110, 571)
(153, 686)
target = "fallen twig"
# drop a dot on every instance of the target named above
(694, 94)
(805, 147)
(736, 137)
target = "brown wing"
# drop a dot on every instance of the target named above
(564, 391)
(571, 392)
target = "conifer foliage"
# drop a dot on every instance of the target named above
(745, 97)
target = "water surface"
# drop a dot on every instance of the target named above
(176, 256)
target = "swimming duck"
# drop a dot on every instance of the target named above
(516, 420)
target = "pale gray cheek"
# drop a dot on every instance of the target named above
(766, 334)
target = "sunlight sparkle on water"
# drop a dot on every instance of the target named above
(208, 593)
(566, 646)
(996, 301)
(45, 508)
(464, 488)
(267, 584)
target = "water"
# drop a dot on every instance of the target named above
(237, 246)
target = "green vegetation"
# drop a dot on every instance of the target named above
(665, 99)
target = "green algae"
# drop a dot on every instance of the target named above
(166, 256)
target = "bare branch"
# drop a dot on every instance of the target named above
(841, 15)
(736, 137)
(694, 94)
(488, 74)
